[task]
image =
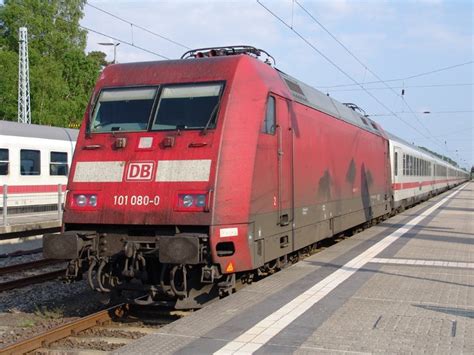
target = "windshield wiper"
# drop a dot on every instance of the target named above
(100, 124)
(213, 113)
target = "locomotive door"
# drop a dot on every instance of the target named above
(285, 163)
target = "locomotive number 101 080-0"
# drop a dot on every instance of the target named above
(136, 200)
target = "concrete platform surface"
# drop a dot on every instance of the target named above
(403, 286)
(23, 222)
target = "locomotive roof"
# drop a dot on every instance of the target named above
(10, 128)
(309, 96)
(301, 92)
(168, 71)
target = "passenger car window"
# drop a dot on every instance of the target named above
(126, 109)
(269, 122)
(30, 162)
(396, 163)
(187, 107)
(4, 161)
(404, 164)
(58, 164)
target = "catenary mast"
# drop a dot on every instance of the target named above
(24, 110)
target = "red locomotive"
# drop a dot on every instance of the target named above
(190, 172)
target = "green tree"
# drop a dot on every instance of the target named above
(99, 57)
(443, 157)
(8, 84)
(61, 74)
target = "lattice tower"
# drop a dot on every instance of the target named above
(24, 110)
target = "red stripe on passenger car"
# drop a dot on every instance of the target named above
(27, 189)
(411, 185)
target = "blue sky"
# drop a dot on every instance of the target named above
(393, 39)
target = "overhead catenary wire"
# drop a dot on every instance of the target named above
(407, 87)
(114, 38)
(450, 67)
(297, 33)
(312, 46)
(137, 26)
(424, 112)
(365, 67)
(124, 42)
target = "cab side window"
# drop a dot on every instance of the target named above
(269, 122)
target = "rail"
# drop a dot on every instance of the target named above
(28, 266)
(31, 280)
(66, 330)
(17, 204)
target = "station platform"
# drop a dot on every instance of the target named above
(403, 286)
(23, 222)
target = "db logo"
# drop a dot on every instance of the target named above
(140, 171)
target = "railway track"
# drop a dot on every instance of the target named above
(28, 266)
(102, 331)
(109, 329)
(21, 252)
(29, 280)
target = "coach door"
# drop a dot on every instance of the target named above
(397, 167)
(285, 163)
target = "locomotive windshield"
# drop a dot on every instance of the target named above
(187, 107)
(123, 110)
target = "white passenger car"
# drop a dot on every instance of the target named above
(34, 162)
(417, 174)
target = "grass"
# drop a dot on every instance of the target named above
(52, 313)
(26, 323)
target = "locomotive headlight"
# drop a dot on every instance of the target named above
(92, 200)
(188, 201)
(84, 200)
(81, 200)
(192, 202)
(200, 200)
